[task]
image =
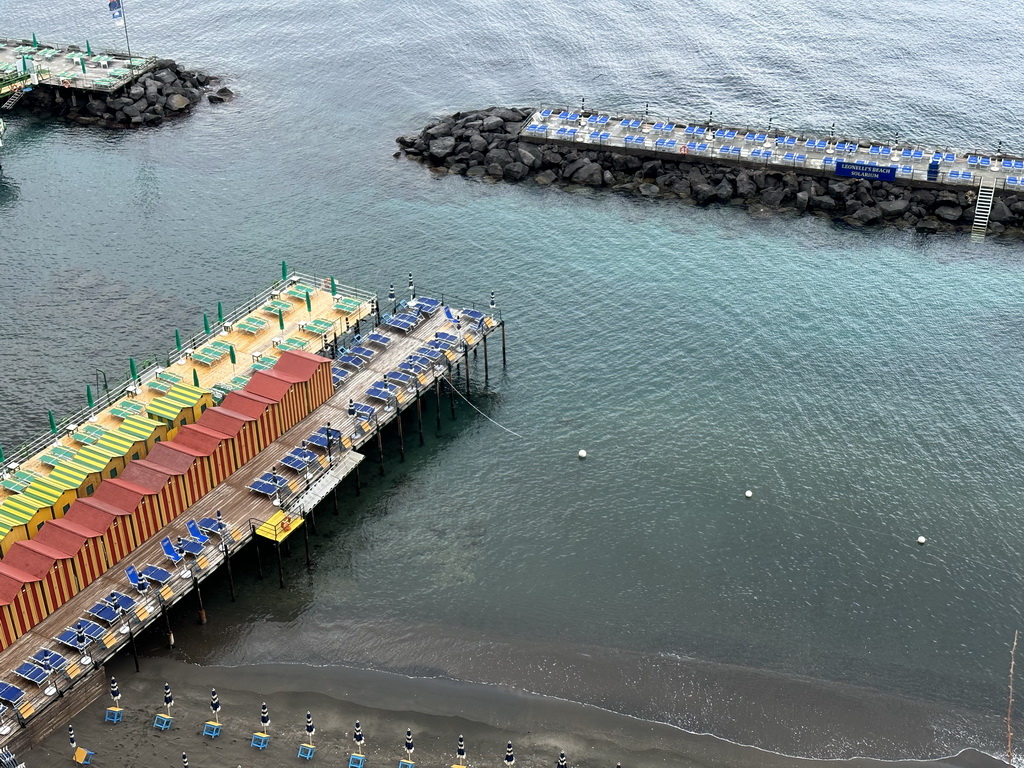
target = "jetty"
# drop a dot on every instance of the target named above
(237, 436)
(859, 181)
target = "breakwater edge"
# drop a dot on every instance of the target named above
(490, 145)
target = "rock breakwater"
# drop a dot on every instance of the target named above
(163, 92)
(486, 145)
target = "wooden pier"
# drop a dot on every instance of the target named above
(773, 150)
(247, 515)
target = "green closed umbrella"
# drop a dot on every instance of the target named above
(334, 287)
(309, 304)
(82, 62)
(195, 377)
(88, 48)
(53, 422)
(231, 354)
(280, 319)
(177, 339)
(220, 313)
(35, 43)
(206, 322)
(131, 366)
(2, 459)
(88, 396)
(284, 270)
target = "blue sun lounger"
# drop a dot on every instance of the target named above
(402, 378)
(414, 368)
(268, 484)
(104, 612)
(363, 352)
(212, 525)
(352, 361)
(170, 552)
(379, 338)
(56, 661)
(430, 353)
(338, 375)
(189, 546)
(440, 344)
(381, 390)
(446, 336)
(156, 574)
(32, 673)
(426, 362)
(12, 694)
(545, 113)
(300, 458)
(473, 314)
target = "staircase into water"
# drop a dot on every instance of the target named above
(982, 210)
(15, 98)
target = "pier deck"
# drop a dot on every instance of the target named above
(243, 511)
(772, 150)
(61, 65)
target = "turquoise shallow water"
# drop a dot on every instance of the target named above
(864, 385)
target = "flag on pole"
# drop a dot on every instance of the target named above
(116, 12)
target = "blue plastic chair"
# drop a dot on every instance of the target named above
(259, 740)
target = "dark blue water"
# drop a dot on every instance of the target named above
(864, 385)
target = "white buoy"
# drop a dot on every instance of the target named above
(921, 540)
(582, 454)
(749, 494)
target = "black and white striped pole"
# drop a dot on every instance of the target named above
(310, 730)
(184, 760)
(71, 738)
(510, 757)
(408, 742)
(460, 750)
(561, 760)
(264, 718)
(357, 736)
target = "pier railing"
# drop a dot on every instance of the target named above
(131, 386)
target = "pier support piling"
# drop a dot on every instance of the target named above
(380, 450)
(503, 362)
(280, 564)
(486, 373)
(419, 414)
(259, 560)
(359, 485)
(467, 372)
(401, 435)
(231, 578)
(437, 396)
(131, 640)
(305, 539)
(167, 623)
(334, 499)
(201, 618)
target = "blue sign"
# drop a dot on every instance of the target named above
(116, 12)
(869, 172)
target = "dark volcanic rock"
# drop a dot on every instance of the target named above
(891, 209)
(440, 148)
(949, 212)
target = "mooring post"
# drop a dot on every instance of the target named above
(359, 485)
(451, 389)
(131, 639)
(334, 498)
(380, 449)
(312, 521)
(486, 377)
(467, 370)
(199, 599)
(280, 565)
(231, 578)
(502, 343)
(419, 414)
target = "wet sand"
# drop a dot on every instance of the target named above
(437, 711)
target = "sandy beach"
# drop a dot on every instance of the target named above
(436, 710)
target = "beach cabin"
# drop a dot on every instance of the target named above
(51, 567)
(75, 475)
(21, 603)
(19, 519)
(88, 559)
(182, 405)
(287, 399)
(241, 432)
(164, 484)
(187, 478)
(212, 450)
(144, 432)
(112, 525)
(262, 409)
(310, 373)
(107, 459)
(48, 498)
(141, 504)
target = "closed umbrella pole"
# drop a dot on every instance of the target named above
(264, 718)
(88, 397)
(309, 304)
(168, 698)
(195, 378)
(132, 368)
(115, 692)
(53, 422)
(206, 323)
(280, 319)
(82, 63)
(510, 757)
(220, 312)
(88, 48)
(357, 736)
(409, 747)
(284, 270)
(310, 730)
(177, 339)
(231, 354)
(214, 704)
(460, 750)
(334, 287)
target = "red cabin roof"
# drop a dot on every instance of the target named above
(64, 538)
(119, 493)
(222, 421)
(266, 385)
(246, 404)
(175, 460)
(11, 582)
(296, 365)
(33, 558)
(198, 440)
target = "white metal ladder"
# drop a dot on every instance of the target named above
(982, 210)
